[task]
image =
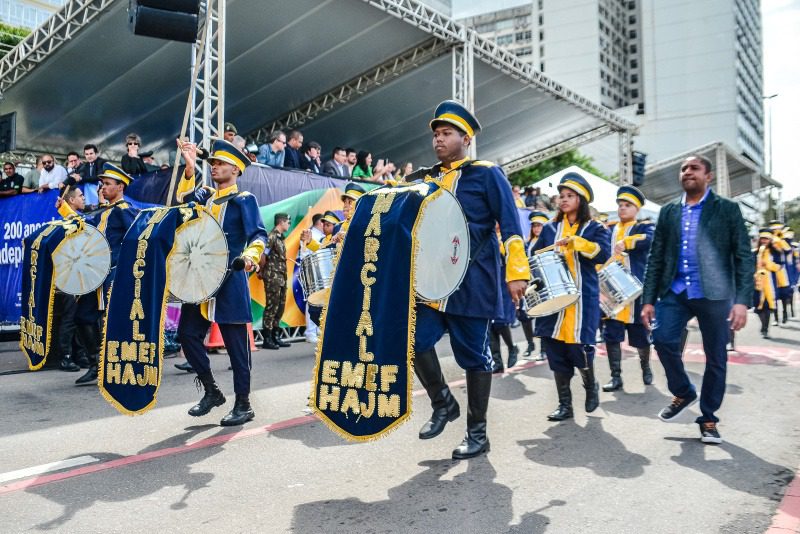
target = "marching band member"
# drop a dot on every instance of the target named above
(792, 270)
(568, 337)
(485, 195)
(780, 249)
(112, 218)
(764, 296)
(330, 223)
(631, 240)
(237, 213)
(538, 219)
(500, 327)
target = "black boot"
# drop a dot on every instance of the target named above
(277, 336)
(185, 366)
(527, 328)
(68, 365)
(241, 413)
(614, 351)
(211, 398)
(592, 389)
(644, 359)
(494, 349)
(445, 407)
(476, 442)
(268, 343)
(564, 410)
(90, 338)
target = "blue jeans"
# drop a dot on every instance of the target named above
(469, 337)
(672, 313)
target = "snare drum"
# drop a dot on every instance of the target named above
(198, 262)
(443, 251)
(552, 286)
(618, 288)
(82, 261)
(316, 275)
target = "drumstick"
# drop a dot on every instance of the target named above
(545, 249)
(65, 191)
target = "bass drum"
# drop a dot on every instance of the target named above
(442, 237)
(82, 261)
(198, 262)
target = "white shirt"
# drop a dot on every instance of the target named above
(52, 178)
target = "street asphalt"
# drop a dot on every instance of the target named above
(617, 470)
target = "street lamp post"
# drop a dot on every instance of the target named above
(768, 100)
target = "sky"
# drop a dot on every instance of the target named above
(781, 43)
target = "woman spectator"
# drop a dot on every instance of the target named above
(363, 169)
(132, 163)
(404, 171)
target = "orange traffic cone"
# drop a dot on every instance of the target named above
(252, 338)
(214, 340)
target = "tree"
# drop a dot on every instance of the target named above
(545, 168)
(791, 214)
(10, 36)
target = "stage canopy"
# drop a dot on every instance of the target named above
(355, 73)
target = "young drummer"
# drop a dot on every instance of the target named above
(538, 219)
(631, 240)
(764, 297)
(568, 337)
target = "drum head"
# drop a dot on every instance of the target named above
(319, 298)
(198, 261)
(553, 305)
(442, 236)
(82, 261)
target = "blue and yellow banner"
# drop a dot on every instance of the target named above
(362, 382)
(39, 288)
(131, 359)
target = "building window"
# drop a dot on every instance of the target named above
(541, 51)
(505, 24)
(541, 20)
(634, 64)
(541, 66)
(634, 78)
(485, 28)
(634, 93)
(632, 34)
(633, 49)
(503, 40)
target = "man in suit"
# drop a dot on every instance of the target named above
(310, 161)
(337, 165)
(700, 265)
(294, 142)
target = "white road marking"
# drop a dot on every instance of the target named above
(46, 468)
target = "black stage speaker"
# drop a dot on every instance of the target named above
(8, 132)
(163, 22)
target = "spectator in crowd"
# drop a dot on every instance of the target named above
(350, 158)
(272, 154)
(515, 191)
(132, 162)
(363, 168)
(530, 200)
(31, 183)
(294, 142)
(404, 171)
(52, 175)
(149, 163)
(388, 171)
(310, 160)
(11, 183)
(230, 132)
(73, 164)
(337, 165)
(239, 142)
(89, 173)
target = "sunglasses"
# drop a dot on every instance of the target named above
(133, 143)
(49, 162)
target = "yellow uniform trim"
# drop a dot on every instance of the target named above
(625, 315)
(517, 267)
(578, 188)
(456, 121)
(227, 157)
(763, 278)
(566, 330)
(630, 241)
(111, 173)
(66, 211)
(630, 198)
(186, 185)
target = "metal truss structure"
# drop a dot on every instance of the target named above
(39, 44)
(464, 82)
(340, 95)
(207, 118)
(625, 158)
(537, 153)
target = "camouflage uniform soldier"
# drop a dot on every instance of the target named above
(273, 272)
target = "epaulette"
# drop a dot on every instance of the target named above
(244, 193)
(607, 223)
(484, 163)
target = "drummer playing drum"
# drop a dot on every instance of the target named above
(568, 337)
(631, 239)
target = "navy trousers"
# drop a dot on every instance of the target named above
(614, 332)
(192, 330)
(672, 313)
(563, 357)
(469, 337)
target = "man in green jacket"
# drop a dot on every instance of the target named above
(700, 265)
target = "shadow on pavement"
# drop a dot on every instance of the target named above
(470, 502)
(314, 435)
(569, 445)
(128, 484)
(509, 387)
(743, 471)
(646, 404)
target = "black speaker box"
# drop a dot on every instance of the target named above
(163, 24)
(8, 132)
(183, 6)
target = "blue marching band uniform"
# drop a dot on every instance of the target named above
(113, 221)
(636, 238)
(239, 217)
(568, 337)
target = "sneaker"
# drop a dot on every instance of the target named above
(671, 412)
(709, 433)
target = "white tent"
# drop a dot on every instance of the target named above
(605, 193)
